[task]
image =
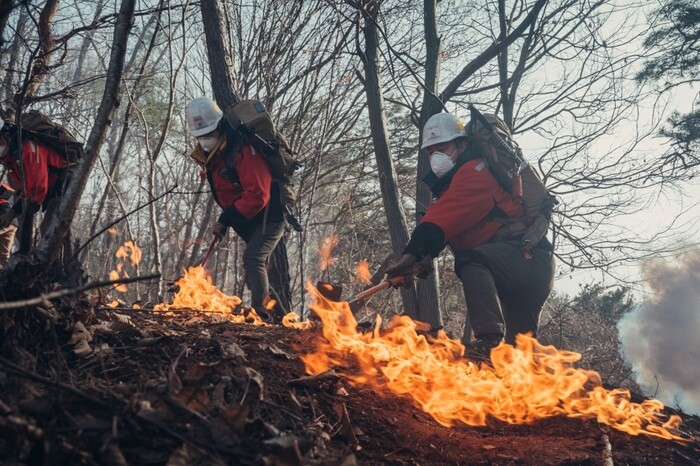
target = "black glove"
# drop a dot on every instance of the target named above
(424, 267)
(219, 231)
(403, 268)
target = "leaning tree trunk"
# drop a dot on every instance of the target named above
(429, 289)
(226, 93)
(396, 219)
(50, 244)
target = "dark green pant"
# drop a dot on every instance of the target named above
(257, 252)
(504, 291)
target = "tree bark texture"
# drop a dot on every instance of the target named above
(49, 246)
(223, 77)
(396, 219)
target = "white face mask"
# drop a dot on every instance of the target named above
(208, 143)
(441, 163)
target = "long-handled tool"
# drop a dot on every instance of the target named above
(212, 246)
(362, 295)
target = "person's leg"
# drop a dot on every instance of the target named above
(483, 306)
(255, 259)
(523, 284)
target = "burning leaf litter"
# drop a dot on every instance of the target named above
(526, 383)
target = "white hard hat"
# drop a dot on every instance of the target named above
(442, 127)
(203, 116)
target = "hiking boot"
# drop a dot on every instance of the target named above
(263, 314)
(479, 350)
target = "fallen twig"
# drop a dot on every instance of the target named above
(314, 380)
(71, 291)
(14, 369)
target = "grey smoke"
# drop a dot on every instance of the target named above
(661, 337)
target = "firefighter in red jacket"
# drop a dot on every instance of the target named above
(45, 175)
(242, 186)
(504, 290)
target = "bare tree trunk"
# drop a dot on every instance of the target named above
(226, 93)
(220, 61)
(41, 64)
(5, 9)
(59, 225)
(123, 121)
(396, 219)
(429, 289)
(13, 58)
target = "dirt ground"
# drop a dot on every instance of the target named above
(197, 389)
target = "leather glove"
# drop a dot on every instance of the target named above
(219, 231)
(6, 218)
(403, 268)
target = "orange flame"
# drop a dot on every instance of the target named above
(326, 250)
(526, 383)
(363, 273)
(126, 251)
(129, 249)
(196, 291)
(291, 320)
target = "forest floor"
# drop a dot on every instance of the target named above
(140, 388)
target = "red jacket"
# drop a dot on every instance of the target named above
(463, 216)
(242, 186)
(41, 165)
(250, 193)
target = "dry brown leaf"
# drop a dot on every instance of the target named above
(237, 416)
(80, 333)
(233, 350)
(194, 398)
(201, 370)
(257, 378)
(82, 349)
(277, 350)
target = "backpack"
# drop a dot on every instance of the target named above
(253, 123)
(515, 175)
(38, 127)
